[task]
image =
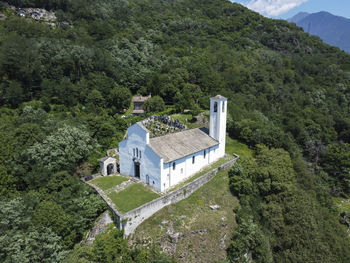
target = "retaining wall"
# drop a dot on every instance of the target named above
(130, 220)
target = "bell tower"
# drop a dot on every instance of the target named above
(217, 127)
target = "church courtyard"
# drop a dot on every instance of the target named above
(127, 193)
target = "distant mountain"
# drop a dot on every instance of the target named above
(298, 17)
(333, 30)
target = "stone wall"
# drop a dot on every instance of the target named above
(135, 217)
(130, 220)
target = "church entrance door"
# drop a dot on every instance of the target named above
(137, 170)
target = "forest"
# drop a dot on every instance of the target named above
(64, 91)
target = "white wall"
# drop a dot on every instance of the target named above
(217, 126)
(150, 163)
(184, 167)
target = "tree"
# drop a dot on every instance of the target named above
(119, 99)
(154, 104)
(51, 215)
(336, 163)
(7, 183)
(22, 242)
(63, 149)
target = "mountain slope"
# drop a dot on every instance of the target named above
(62, 85)
(333, 30)
(298, 17)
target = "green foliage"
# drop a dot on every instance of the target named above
(63, 89)
(62, 150)
(7, 183)
(119, 99)
(111, 247)
(336, 163)
(51, 215)
(154, 104)
(285, 221)
(22, 242)
(247, 238)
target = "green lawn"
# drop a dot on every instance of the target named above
(108, 182)
(132, 197)
(234, 146)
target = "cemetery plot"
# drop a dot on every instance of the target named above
(162, 125)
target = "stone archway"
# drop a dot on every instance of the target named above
(108, 165)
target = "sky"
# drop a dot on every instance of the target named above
(284, 9)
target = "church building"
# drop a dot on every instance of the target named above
(164, 161)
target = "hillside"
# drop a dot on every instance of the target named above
(65, 93)
(333, 30)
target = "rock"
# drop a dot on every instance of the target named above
(214, 207)
(99, 227)
(164, 222)
(182, 217)
(174, 238)
(222, 242)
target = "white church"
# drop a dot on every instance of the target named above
(164, 161)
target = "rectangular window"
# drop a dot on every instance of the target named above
(174, 165)
(205, 153)
(192, 159)
(223, 106)
(215, 106)
(133, 152)
(140, 154)
(182, 170)
(137, 152)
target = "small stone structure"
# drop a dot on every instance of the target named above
(133, 218)
(108, 165)
(138, 104)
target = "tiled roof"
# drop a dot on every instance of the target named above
(140, 98)
(105, 158)
(174, 146)
(219, 97)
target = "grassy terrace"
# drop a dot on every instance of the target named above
(234, 146)
(137, 194)
(132, 197)
(204, 228)
(108, 182)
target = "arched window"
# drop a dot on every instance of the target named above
(215, 106)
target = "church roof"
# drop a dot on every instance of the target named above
(105, 158)
(219, 97)
(174, 146)
(140, 98)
